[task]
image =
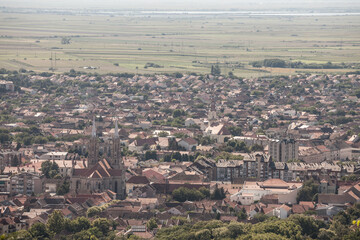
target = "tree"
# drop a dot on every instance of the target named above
(93, 211)
(178, 113)
(15, 161)
(151, 224)
(65, 40)
(215, 70)
(21, 235)
(50, 169)
(325, 234)
(40, 140)
(218, 194)
(257, 147)
(260, 217)
(55, 222)
(285, 228)
(203, 234)
(242, 215)
(63, 188)
(310, 227)
(77, 225)
(5, 137)
(102, 224)
(39, 231)
(308, 191)
(205, 192)
(150, 155)
(178, 75)
(146, 147)
(183, 194)
(236, 229)
(163, 134)
(235, 131)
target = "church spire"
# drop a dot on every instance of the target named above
(116, 133)
(93, 132)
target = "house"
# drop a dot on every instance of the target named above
(147, 203)
(219, 133)
(189, 144)
(153, 176)
(146, 191)
(7, 86)
(282, 212)
(145, 125)
(328, 186)
(143, 144)
(189, 122)
(336, 200)
(135, 182)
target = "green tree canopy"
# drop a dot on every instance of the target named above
(50, 169)
(55, 222)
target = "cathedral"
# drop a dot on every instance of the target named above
(102, 173)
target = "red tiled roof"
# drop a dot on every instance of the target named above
(101, 169)
(138, 180)
(298, 209)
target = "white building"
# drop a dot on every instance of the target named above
(219, 133)
(254, 191)
(54, 156)
(189, 144)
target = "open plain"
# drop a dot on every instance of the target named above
(175, 41)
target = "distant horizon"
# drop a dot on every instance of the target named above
(186, 5)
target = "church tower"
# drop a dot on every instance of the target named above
(117, 164)
(116, 159)
(93, 148)
(212, 113)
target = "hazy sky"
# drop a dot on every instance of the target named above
(184, 4)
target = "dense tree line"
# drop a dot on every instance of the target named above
(177, 156)
(183, 194)
(296, 227)
(59, 227)
(278, 63)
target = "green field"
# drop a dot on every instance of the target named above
(179, 43)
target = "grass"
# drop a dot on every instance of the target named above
(175, 42)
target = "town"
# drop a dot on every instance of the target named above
(135, 155)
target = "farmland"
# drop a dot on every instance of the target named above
(175, 42)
